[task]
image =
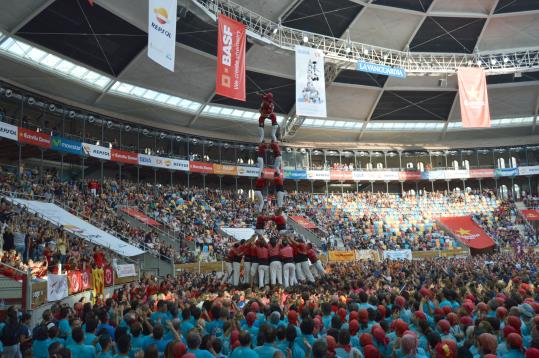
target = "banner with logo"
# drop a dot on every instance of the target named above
(318, 175)
(269, 173)
(231, 45)
(467, 231)
(108, 276)
(506, 172)
(86, 277)
(295, 174)
(341, 256)
(98, 281)
(364, 255)
(126, 270)
(133, 212)
(35, 138)
(380, 69)
(162, 32)
(410, 175)
(39, 293)
(57, 288)
(310, 82)
(375, 175)
(66, 145)
(223, 169)
(252, 172)
(340, 175)
(457, 174)
(123, 156)
(96, 151)
(75, 281)
(474, 108)
(531, 214)
(433, 175)
(405, 254)
(201, 167)
(304, 222)
(481, 173)
(162, 162)
(529, 170)
(9, 131)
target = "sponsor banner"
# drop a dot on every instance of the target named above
(405, 254)
(35, 138)
(201, 167)
(467, 231)
(162, 32)
(457, 174)
(248, 171)
(123, 156)
(531, 215)
(75, 281)
(384, 175)
(380, 69)
(56, 287)
(79, 227)
(506, 172)
(39, 293)
(340, 175)
(310, 82)
(269, 173)
(433, 175)
(531, 170)
(481, 173)
(162, 162)
(231, 44)
(96, 151)
(363, 255)
(9, 131)
(66, 145)
(318, 175)
(108, 275)
(473, 96)
(86, 276)
(304, 222)
(224, 169)
(295, 174)
(180, 164)
(126, 270)
(341, 256)
(410, 175)
(239, 233)
(133, 212)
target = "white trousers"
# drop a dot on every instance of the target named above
(259, 198)
(227, 275)
(289, 274)
(277, 163)
(280, 199)
(307, 271)
(246, 272)
(260, 134)
(273, 133)
(299, 272)
(260, 163)
(276, 272)
(318, 268)
(263, 275)
(236, 266)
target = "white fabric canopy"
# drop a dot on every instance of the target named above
(239, 233)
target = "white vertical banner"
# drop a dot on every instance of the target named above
(310, 82)
(56, 287)
(162, 32)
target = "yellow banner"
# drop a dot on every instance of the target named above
(341, 256)
(224, 169)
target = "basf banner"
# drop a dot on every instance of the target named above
(8, 131)
(96, 151)
(310, 82)
(35, 138)
(231, 44)
(162, 162)
(473, 97)
(162, 32)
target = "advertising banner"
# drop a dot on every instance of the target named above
(201, 167)
(367, 255)
(380, 69)
(457, 174)
(318, 175)
(66, 145)
(108, 275)
(481, 173)
(467, 232)
(126, 270)
(56, 287)
(433, 175)
(86, 276)
(9, 131)
(269, 173)
(252, 172)
(375, 175)
(39, 293)
(123, 156)
(473, 97)
(162, 162)
(340, 175)
(162, 32)
(529, 170)
(341, 256)
(96, 151)
(304, 222)
(410, 175)
(310, 82)
(531, 214)
(133, 212)
(75, 281)
(231, 45)
(506, 172)
(295, 174)
(35, 138)
(405, 254)
(223, 169)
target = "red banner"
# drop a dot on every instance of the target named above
(473, 97)
(303, 221)
(123, 157)
(86, 277)
(140, 216)
(407, 175)
(35, 138)
(340, 175)
(269, 173)
(231, 42)
(201, 167)
(481, 173)
(531, 215)
(75, 281)
(468, 232)
(108, 276)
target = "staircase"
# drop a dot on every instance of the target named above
(308, 234)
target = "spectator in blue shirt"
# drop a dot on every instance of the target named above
(79, 349)
(123, 345)
(104, 323)
(268, 349)
(193, 344)
(41, 343)
(244, 350)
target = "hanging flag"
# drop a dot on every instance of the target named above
(231, 42)
(162, 32)
(310, 82)
(473, 96)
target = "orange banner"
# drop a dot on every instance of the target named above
(341, 256)
(231, 44)
(473, 96)
(225, 169)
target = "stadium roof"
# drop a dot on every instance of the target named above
(95, 57)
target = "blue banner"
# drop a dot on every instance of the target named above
(380, 69)
(66, 145)
(295, 174)
(506, 172)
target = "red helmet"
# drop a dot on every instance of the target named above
(268, 95)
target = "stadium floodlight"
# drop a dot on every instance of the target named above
(348, 49)
(72, 114)
(305, 39)
(178, 138)
(210, 143)
(9, 93)
(226, 145)
(145, 131)
(303, 151)
(194, 140)
(288, 149)
(91, 119)
(505, 59)
(493, 61)
(109, 124)
(365, 52)
(162, 135)
(52, 107)
(110, 145)
(478, 62)
(275, 30)
(127, 127)
(242, 147)
(31, 101)
(97, 143)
